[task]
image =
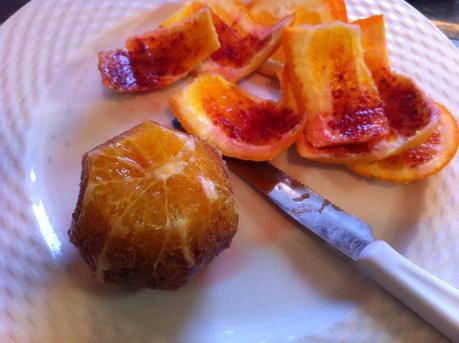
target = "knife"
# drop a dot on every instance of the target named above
(432, 299)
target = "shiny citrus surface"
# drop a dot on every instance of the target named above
(155, 206)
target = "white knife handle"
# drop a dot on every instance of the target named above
(432, 299)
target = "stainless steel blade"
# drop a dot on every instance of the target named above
(342, 230)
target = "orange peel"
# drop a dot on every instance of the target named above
(333, 86)
(421, 161)
(161, 57)
(235, 122)
(305, 12)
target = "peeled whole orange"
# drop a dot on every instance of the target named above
(155, 206)
(235, 122)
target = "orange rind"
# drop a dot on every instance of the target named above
(245, 42)
(161, 57)
(333, 86)
(421, 161)
(235, 122)
(411, 114)
(305, 12)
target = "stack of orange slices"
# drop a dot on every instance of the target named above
(341, 100)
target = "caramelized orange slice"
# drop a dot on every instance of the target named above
(155, 207)
(306, 12)
(161, 57)
(333, 86)
(238, 124)
(419, 162)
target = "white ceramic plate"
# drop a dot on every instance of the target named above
(275, 283)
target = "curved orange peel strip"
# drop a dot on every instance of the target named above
(412, 114)
(419, 162)
(403, 98)
(235, 122)
(306, 12)
(160, 57)
(245, 43)
(333, 86)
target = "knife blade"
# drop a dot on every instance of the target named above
(340, 229)
(434, 300)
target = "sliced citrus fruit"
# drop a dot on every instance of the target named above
(155, 206)
(419, 162)
(161, 57)
(237, 123)
(333, 86)
(306, 12)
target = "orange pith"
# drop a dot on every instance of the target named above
(421, 161)
(238, 124)
(155, 206)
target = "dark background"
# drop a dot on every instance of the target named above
(441, 10)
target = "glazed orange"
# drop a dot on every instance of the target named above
(155, 206)
(235, 122)
(418, 163)
(161, 57)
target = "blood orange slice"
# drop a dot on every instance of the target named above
(418, 163)
(155, 207)
(161, 57)
(333, 86)
(237, 123)
(306, 12)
